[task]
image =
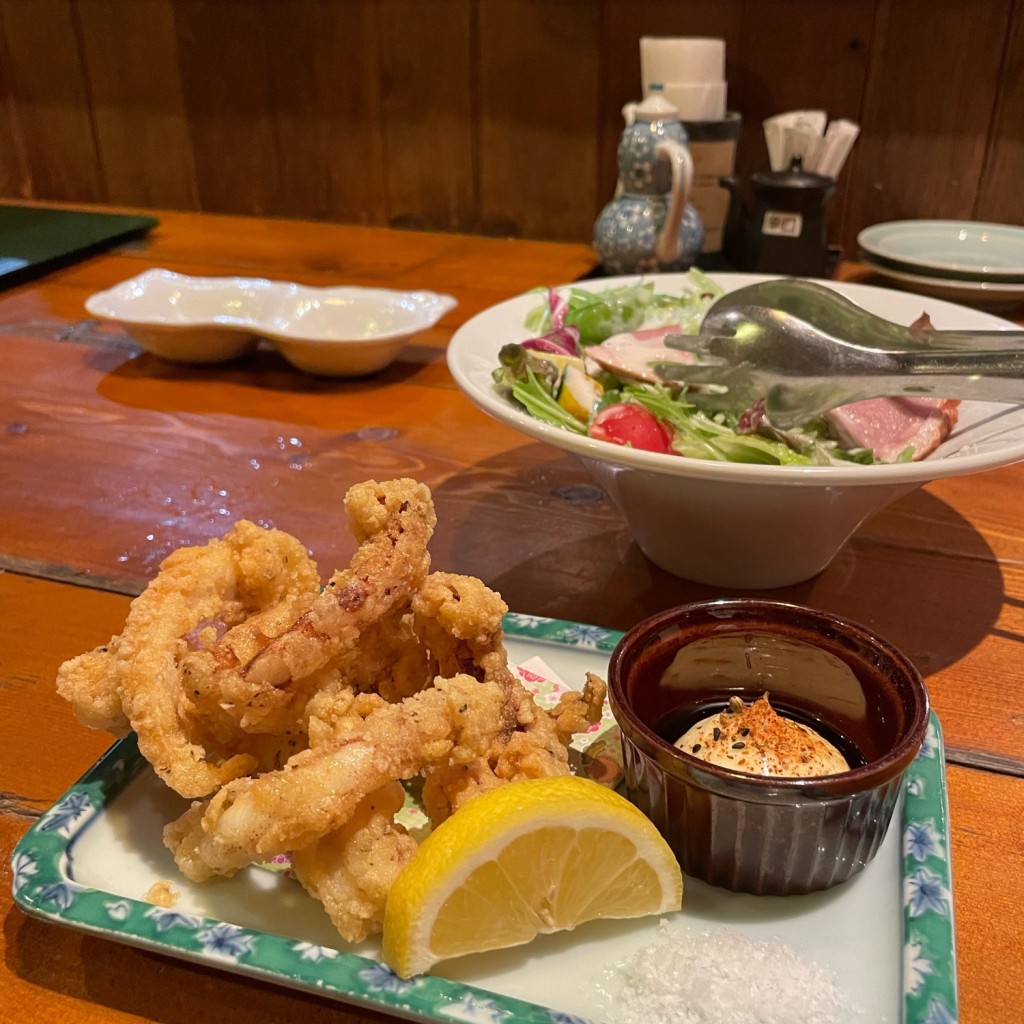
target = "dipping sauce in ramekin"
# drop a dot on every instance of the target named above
(776, 834)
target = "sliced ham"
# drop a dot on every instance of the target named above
(631, 354)
(885, 426)
(888, 426)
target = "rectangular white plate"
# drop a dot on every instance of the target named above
(886, 935)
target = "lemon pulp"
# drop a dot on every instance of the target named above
(530, 857)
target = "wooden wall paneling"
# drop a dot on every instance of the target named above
(15, 178)
(539, 69)
(800, 55)
(1001, 197)
(429, 63)
(324, 71)
(931, 93)
(49, 91)
(134, 74)
(491, 116)
(224, 52)
(797, 55)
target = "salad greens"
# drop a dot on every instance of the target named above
(538, 401)
(599, 315)
(550, 376)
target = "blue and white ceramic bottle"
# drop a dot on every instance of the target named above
(650, 225)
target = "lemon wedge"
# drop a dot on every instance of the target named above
(578, 393)
(531, 857)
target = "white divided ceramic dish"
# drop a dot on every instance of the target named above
(952, 248)
(337, 332)
(741, 525)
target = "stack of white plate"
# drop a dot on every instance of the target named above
(968, 261)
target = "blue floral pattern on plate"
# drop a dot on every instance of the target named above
(929, 966)
(43, 887)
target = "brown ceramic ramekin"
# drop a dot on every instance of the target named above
(752, 833)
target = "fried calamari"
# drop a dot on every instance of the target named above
(296, 712)
(258, 678)
(198, 593)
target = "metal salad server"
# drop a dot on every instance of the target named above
(805, 349)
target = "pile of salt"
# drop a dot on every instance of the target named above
(723, 977)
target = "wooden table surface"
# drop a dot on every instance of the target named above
(110, 458)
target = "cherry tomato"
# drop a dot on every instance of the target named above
(629, 424)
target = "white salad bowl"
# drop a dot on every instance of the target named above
(744, 525)
(334, 332)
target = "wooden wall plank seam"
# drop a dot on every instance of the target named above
(133, 74)
(45, 74)
(497, 117)
(926, 120)
(1000, 196)
(431, 148)
(15, 174)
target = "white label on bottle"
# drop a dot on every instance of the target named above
(782, 222)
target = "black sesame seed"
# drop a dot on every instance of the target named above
(716, 733)
(744, 732)
(739, 745)
(695, 747)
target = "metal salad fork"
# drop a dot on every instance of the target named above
(805, 349)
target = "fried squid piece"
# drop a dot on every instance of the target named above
(198, 593)
(445, 629)
(297, 712)
(458, 619)
(89, 683)
(260, 680)
(536, 745)
(351, 870)
(527, 748)
(577, 711)
(319, 789)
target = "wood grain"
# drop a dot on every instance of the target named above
(15, 176)
(229, 103)
(112, 458)
(325, 123)
(926, 123)
(439, 115)
(430, 119)
(988, 861)
(538, 147)
(1000, 197)
(49, 94)
(260, 441)
(109, 458)
(131, 58)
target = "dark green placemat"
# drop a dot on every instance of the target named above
(35, 241)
